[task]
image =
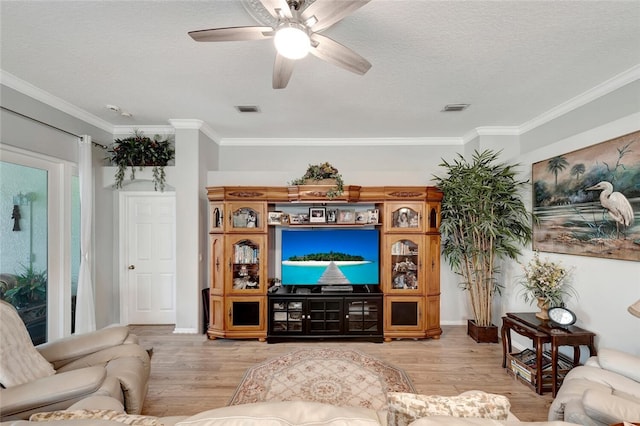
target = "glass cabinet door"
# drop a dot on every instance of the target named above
(404, 217)
(246, 264)
(286, 316)
(216, 216)
(325, 316)
(403, 256)
(363, 316)
(246, 217)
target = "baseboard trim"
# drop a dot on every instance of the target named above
(185, 331)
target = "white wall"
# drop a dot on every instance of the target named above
(359, 165)
(605, 287)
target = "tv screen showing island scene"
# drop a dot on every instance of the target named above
(330, 257)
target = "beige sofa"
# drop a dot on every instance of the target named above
(604, 391)
(53, 376)
(104, 411)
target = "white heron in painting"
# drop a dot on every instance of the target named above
(616, 203)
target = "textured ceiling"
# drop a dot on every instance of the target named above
(511, 60)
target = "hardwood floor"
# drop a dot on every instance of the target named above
(190, 374)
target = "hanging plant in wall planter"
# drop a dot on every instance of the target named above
(322, 174)
(140, 151)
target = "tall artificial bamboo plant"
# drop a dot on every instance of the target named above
(483, 219)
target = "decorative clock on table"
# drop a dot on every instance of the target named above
(562, 316)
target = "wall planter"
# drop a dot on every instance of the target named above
(138, 151)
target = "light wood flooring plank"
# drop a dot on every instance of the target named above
(190, 373)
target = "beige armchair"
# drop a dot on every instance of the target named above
(55, 375)
(604, 391)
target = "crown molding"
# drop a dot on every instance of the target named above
(590, 95)
(148, 130)
(188, 123)
(47, 98)
(340, 141)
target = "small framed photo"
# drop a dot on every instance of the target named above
(346, 216)
(296, 219)
(362, 217)
(373, 216)
(274, 218)
(332, 215)
(317, 215)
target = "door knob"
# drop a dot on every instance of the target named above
(132, 267)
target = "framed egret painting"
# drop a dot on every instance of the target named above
(587, 202)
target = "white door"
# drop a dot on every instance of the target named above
(149, 259)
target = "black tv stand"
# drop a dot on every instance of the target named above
(323, 314)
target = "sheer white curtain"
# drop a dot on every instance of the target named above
(85, 307)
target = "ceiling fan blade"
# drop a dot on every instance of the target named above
(331, 51)
(328, 12)
(277, 8)
(282, 69)
(232, 34)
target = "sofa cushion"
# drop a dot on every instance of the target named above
(619, 362)
(97, 414)
(404, 408)
(284, 413)
(20, 362)
(609, 409)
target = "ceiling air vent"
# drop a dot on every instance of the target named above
(455, 107)
(247, 108)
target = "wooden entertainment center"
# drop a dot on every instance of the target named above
(243, 233)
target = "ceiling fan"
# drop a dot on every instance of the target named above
(296, 34)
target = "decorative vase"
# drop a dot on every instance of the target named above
(543, 305)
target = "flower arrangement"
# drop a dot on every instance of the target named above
(138, 151)
(546, 281)
(319, 172)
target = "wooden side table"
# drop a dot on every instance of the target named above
(541, 332)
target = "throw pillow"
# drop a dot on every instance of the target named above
(111, 415)
(20, 361)
(404, 408)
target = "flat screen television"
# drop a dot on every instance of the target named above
(330, 257)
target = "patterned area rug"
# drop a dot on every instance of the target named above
(342, 377)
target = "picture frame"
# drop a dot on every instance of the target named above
(405, 218)
(346, 216)
(245, 218)
(274, 218)
(373, 216)
(298, 218)
(362, 217)
(317, 215)
(570, 217)
(332, 215)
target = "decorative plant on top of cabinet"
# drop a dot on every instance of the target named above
(483, 219)
(320, 174)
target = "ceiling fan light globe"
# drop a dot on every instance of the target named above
(292, 42)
